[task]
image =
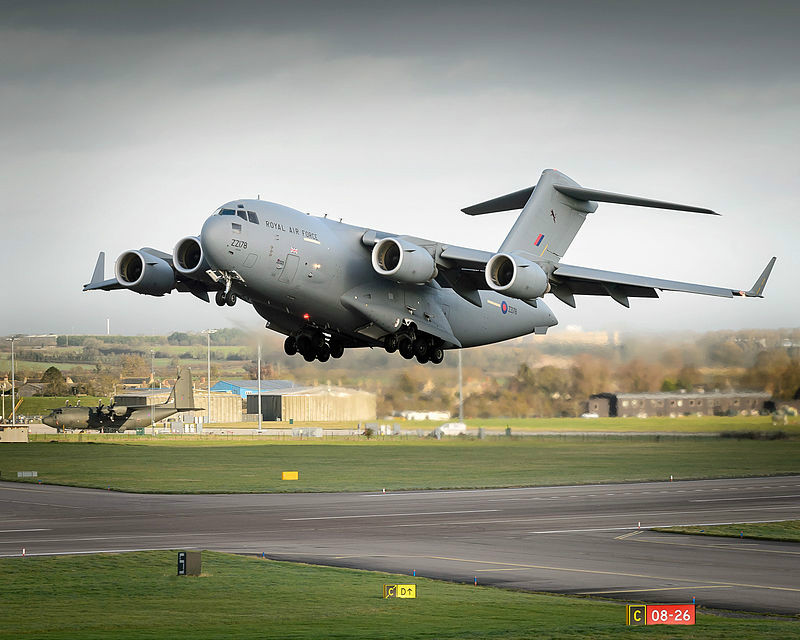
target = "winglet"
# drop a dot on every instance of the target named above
(99, 268)
(758, 288)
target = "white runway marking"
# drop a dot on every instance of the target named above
(21, 530)
(744, 498)
(391, 515)
(86, 553)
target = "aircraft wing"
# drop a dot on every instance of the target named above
(568, 281)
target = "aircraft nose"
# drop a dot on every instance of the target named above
(49, 421)
(214, 238)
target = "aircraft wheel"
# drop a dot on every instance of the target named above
(219, 298)
(437, 355)
(309, 356)
(390, 343)
(323, 353)
(337, 349)
(230, 298)
(406, 349)
(290, 346)
(304, 344)
(318, 340)
(421, 347)
(422, 359)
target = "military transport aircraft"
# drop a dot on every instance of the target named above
(329, 286)
(119, 418)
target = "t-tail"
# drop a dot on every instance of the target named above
(553, 212)
(182, 396)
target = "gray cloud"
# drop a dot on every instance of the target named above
(125, 124)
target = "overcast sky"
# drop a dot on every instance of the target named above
(125, 125)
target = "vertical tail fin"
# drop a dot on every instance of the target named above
(182, 396)
(549, 221)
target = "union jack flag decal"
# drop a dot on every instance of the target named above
(293, 251)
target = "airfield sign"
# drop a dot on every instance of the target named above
(399, 591)
(644, 614)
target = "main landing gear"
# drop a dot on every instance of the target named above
(313, 346)
(415, 344)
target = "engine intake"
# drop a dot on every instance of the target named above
(403, 261)
(144, 273)
(516, 277)
(189, 258)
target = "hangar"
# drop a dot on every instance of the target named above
(642, 405)
(225, 407)
(314, 404)
(245, 387)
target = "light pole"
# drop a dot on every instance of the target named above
(208, 333)
(13, 382)
(460, 391)
(152, 386)
(259, 388)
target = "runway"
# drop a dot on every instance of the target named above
(579, 539)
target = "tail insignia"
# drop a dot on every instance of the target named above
(539, 240)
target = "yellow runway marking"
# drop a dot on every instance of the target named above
(693, 587)
(722, 545)
(628, 535)
(589, 571)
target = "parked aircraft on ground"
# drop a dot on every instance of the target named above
(329, 286)
(119, 418)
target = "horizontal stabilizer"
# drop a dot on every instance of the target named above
(579, 193)
(97, 277)
(507, 202)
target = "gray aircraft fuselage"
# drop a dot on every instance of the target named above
(295, 264)
(329, 286)
(104, 418)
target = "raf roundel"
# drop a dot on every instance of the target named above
(504, 307)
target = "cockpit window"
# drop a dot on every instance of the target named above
(242, 215)
(252, 217)
(227, 212)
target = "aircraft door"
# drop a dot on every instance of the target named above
(289, 268)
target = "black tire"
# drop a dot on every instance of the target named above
(318, 340)
(309, 356)
(437, 355)
(421, 347)
(406, 349)
(230, 298)
(219, 298)
(324, 353)
(304, 345)
(422, 359)
(337, 349)
(390, 343)
(290, 346)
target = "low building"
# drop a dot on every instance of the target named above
(314, 404)
(644, 405)
(225, 407)
(246, 387)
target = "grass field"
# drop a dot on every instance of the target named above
(210, 465)
(138, 595)
(786, 531)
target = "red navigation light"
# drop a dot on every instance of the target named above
(306, 316)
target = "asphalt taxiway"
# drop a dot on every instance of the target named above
(591, 539)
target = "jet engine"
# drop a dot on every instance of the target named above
(403, 261)
(144, 273)
(188, 257)
(516, 277)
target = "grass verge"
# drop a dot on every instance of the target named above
(208, 466)
(785, 531)
(138, 595)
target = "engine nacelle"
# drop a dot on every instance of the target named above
(516, 277)
(189, 258)
(403, 261)
(144, 273)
